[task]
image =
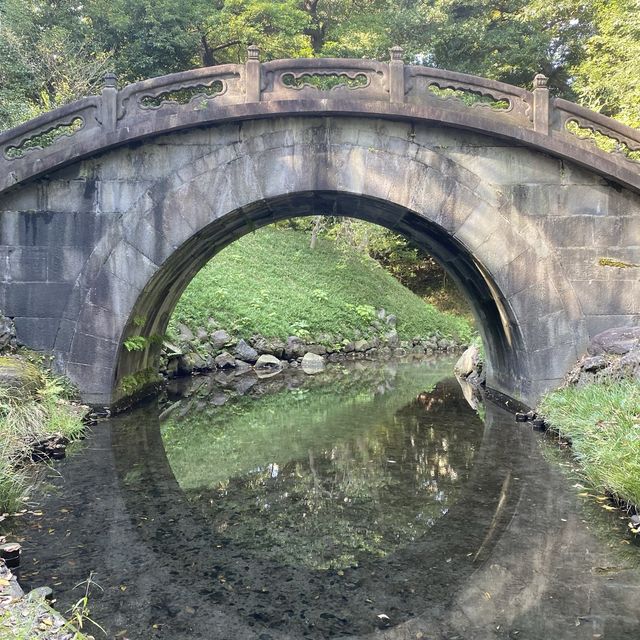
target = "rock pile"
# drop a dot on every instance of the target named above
(613, 354)
(207, 349)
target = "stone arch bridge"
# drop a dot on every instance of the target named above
(110, 205)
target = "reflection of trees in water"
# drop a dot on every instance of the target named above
(368, 493)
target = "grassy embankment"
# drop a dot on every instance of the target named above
(271, 283)
(33, 413)
(602, 420)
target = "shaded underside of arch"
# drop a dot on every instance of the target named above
(495, 320)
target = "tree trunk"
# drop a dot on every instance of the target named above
(314, 232)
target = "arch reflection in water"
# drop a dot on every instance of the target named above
(197, 529)
(324, 504)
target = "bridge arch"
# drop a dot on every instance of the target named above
(395, 174)
(109, 205)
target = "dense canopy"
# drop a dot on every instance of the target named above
(54, 51)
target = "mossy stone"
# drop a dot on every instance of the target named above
(19, 378)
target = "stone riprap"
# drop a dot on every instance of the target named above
(204, 351)
(611, 355)
(101, 231)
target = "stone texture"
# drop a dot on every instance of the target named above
(468, 362)
(120, 233)
(618, 340)
(245, 352)
(220, 338)
(7, 333)
(294, 348)
(225, 360)
(267, 361)
(312, 362)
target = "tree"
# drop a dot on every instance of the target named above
(608, 78)
(46, 58)
(510, 41)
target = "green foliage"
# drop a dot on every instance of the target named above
(136, 343)
(270, 282)
(603, 423)
(45, 139)
(140, 343)
(27, 418)
(325, 81)
(604, 142)
(510, 41)
(52, 52)
(606, 78)
(48, 56)
(136, 381)
(182, 96)
(470, 98)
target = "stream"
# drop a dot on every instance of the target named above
(366, 501)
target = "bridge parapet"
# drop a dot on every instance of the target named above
(319, 86)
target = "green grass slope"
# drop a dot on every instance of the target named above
(271, 283)
(603, 423)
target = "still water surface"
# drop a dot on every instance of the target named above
(366, 501)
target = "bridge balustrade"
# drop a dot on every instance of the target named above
(320, 86)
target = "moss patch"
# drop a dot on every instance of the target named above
(618, 264)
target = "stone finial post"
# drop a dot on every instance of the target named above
(541, 104)
(109, 102)
(253, 74)
(396, 75)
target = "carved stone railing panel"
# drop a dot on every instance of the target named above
(320, 85)
(451, 90)
(331, 78)
(47, 133)
(594, 131)
(189, 90)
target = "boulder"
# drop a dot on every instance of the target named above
(294, 348)
(220, 338)
(270, 346)
(7, 333)
(243, 384)
(318, 349)
(185, 334)
(225, 360)
(391, 338)
(192, 361)
(202, 335)
(245, 352)
(242, 367)
(468, 362)
(594, 363)
(391, 320)
(361, 346)
(267, 361)
(617, 341)
(312, 363)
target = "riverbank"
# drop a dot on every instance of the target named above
(37, 420)
(598, 411)
(272, 283)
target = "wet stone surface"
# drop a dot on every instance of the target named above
(365, 501)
